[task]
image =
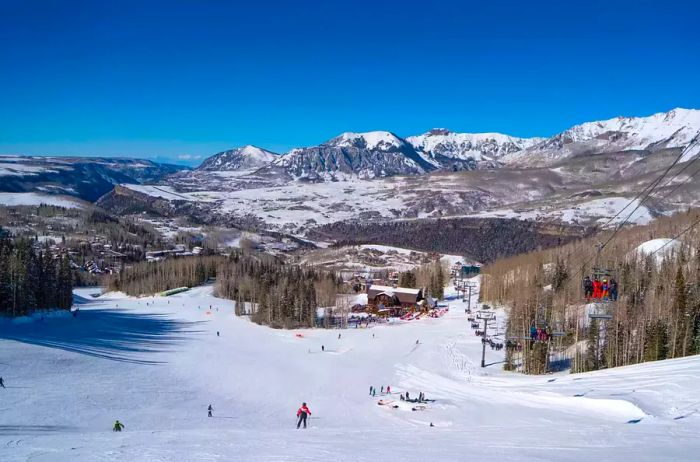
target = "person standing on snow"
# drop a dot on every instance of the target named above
(209, 410)
(118, 426)
(370, 390)
(2, 382)
(302, 413)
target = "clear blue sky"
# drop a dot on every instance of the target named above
(189, 78)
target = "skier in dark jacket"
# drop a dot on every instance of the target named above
(588, 287)
(209, 410)
(2, 382)
(613, 290)
(118, 426)
(302, 413)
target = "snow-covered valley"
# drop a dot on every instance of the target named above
(156, 363)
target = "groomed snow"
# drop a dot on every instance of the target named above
(156, 363)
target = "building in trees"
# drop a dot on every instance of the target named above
(394, 301)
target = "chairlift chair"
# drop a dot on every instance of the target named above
(600, 312)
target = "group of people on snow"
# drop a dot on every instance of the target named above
(373, 390)
(421, 398)
(600, 290)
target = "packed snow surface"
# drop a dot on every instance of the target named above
(156, 363)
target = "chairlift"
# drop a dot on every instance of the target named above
(599, 288)
(600, 312)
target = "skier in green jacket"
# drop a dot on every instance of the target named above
(118, 426)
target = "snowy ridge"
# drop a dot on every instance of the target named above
(477, 146)
(672, 129)
(369, 140)
(246, 157)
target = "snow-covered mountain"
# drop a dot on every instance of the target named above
(440, 144)
(365, 155)
(672, 129)
(85, 177)
(379, 154)
(243, 158)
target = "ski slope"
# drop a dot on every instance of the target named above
(156, 364)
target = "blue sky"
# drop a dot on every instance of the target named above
(181, 80)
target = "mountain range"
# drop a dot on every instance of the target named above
(583, 176)
(379, 154)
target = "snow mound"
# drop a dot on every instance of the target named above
(661, 248)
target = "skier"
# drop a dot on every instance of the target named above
(217, 333)
(588, 288)
(604, 289)
(2, 382)
(323, 348)
(338, 336)
(382, 389)
(613, 290)
(597, 286)
(209, 410)
(370, 390)
(417, 342)
(388, 389)
(118, 426)
(374, 391)
(408, 396)
(302, 413)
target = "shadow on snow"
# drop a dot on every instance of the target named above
(117, 335)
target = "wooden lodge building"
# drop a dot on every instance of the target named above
(393, 301)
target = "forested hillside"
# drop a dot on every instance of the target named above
(483, 239)
(32, 279)
(263, 286)
(654, 315)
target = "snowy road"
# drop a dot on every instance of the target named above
(157, 363)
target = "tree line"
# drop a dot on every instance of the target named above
(482, 239)
(656, 315)
(32, 278)
(272, 292)
(148, 278)
(430, 277)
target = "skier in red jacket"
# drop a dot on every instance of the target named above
(597, 288)
(302, 413)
